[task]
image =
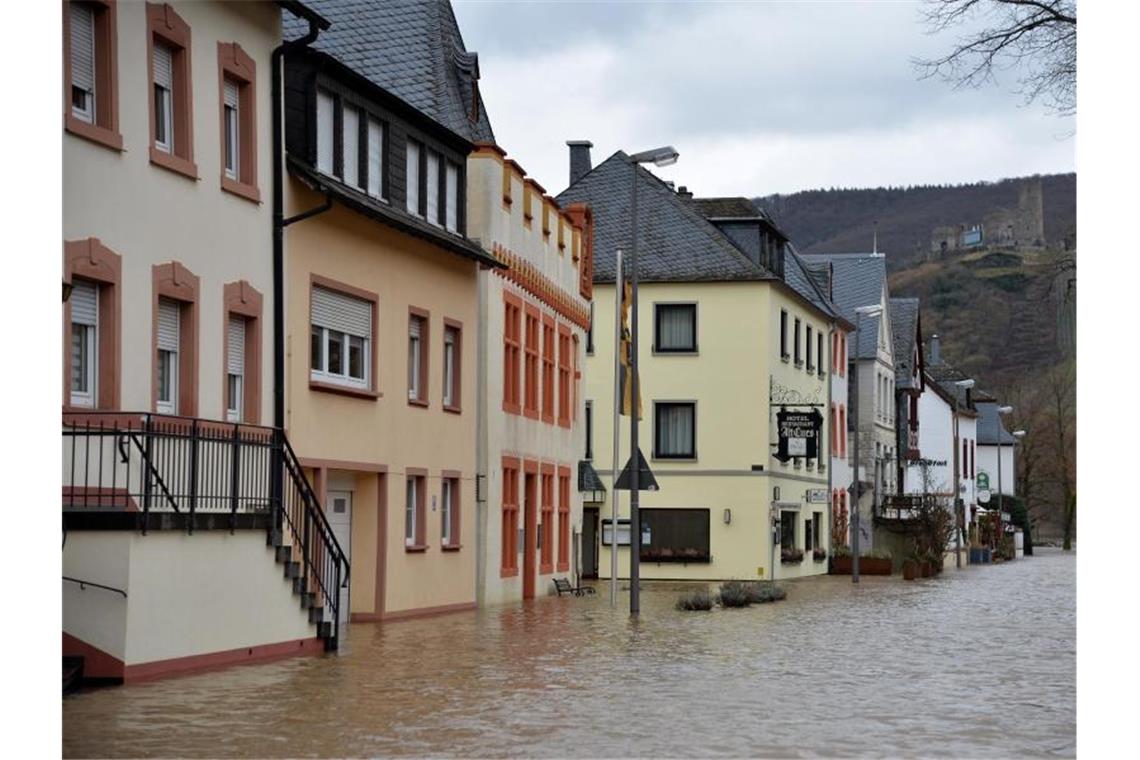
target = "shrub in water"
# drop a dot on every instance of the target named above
(759, 593)
(734, 594)
(698, 600)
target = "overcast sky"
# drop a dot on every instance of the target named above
(758, 98)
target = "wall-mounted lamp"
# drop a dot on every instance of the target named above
(727, 516)
(776, 493)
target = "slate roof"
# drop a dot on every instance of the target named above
(800, 279)
(733, 208)
(411, 48)
(588, 479)
(991, 429)
(944, 375)
(859, 279)
(677, 243)
(904, 329)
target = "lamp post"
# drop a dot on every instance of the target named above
(857, 486)
(660, 157)
(959, 505)
(1001, 411)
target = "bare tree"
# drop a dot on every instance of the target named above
(1061, 415)
(1038, 37)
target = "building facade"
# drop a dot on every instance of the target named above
(532, 331)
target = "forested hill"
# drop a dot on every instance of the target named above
(842, 220)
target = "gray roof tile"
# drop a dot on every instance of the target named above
(991, 430)
(904, 328)
(411, 48)
(859, 280)
(677, 243)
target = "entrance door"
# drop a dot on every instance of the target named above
(340, 520)
(590, 542)
(530, 534)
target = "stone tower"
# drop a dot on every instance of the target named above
(1031, 219)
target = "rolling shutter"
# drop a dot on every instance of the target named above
(324, 132)
(168, 317)
(163, 67)
(230, 93)
(415, 327)
(413, 177)
(235, 350)
(84, 301)
(375, 157)
(337, 311)
(82, 47)
(350, 143)
(451, 212)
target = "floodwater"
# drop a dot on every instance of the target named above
(979, 662)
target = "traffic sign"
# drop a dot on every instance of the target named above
(984, 495)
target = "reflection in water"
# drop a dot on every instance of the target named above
(977, 662)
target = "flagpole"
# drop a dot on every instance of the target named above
(620, 285)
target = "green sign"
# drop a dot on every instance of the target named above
(983, 480)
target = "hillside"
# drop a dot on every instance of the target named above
(842, 220)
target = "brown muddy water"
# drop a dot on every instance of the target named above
(979, 662)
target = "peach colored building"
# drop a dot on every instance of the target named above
(534, 318)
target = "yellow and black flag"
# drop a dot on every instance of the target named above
(626, 371)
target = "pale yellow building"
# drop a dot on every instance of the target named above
(733, 330)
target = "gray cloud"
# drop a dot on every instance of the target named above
(758, 97)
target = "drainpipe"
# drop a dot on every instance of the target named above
(276, 62)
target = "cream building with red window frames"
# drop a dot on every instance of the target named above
(533, 322)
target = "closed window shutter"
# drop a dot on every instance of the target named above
(337, 311)
(415, 327)
(375, 157)
(163, 66)
(235, 351)
(82, 47)
(324, 132)
(231, 94)
(433, 187)
(351, 143)
(84, 303)
(413, 177)
(451, 212)
(168, 327)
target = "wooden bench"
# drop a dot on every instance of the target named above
(562, 585)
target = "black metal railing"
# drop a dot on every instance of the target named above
(150, 463)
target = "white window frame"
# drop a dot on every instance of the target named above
(168, 404)
(413, 177)
(433, 177)
(445, 517)
(451, 197)
(341, 377)
(350, 145)
(231, 135)
(449, 336)
(86, 114)
(164, 100)
(375, 158)
(415, 358)
(326, 124)
(235, 381)
(411, 507)
(90, 370)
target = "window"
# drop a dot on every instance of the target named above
(326, 139)
(377, 160)
(788, 530)
(171, 101)
(675, 327)
(414, 511)
(623, 534)
(546, 540)
(590, 332)
(817, 530)
(90, 74)
(418, 357)
(842, 430)
(563, 519)
(449, 511)
(675, 535)
(548, 369)
(169, 342)
(563, 376)
(341, 339)
(452, 366)
(235, 367)
(238, 75)
(530, 405)
(809, 534)
(796, 341)
(413, 171)
(432, 177)
(508, 564)
(819, 354)
(354, 151)
(973, 462)
(784, 335)
(589, 430)
(831, 421)
(451, 198)
(350, 146)
(808, 342)
(965, 458)
(576, 355)
(84, 302)
(512, 349)
(675, 435)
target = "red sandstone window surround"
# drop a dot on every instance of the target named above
(419, 342)
(563, 376)
(546, 553)
(237, 103)
(508, 564)
(449, 510)
(174, 347)
(842, 430)
(530, 402)
(512, 349)
(91, 71)
(563, 518)
(170, 90)
(242, 301)
(94, 263)
(415, 511)
(452, 367)
(547, 368)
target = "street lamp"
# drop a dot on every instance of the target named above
(1002, 410)
(857, 486)
(959, 504)
(664, 156)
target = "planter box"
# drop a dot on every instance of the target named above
(924, 569)
(867, 566)
(910, 570)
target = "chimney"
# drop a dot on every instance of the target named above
(684, 192)
(580, 163)
(935, 350)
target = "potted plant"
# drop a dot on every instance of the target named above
(910, 568)
(819, 554)
(841, 561)
(791, 556)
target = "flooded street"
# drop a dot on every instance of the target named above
(975, 663)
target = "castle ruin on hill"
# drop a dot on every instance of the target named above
(1019, 227)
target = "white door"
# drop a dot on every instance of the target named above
(340, 520)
